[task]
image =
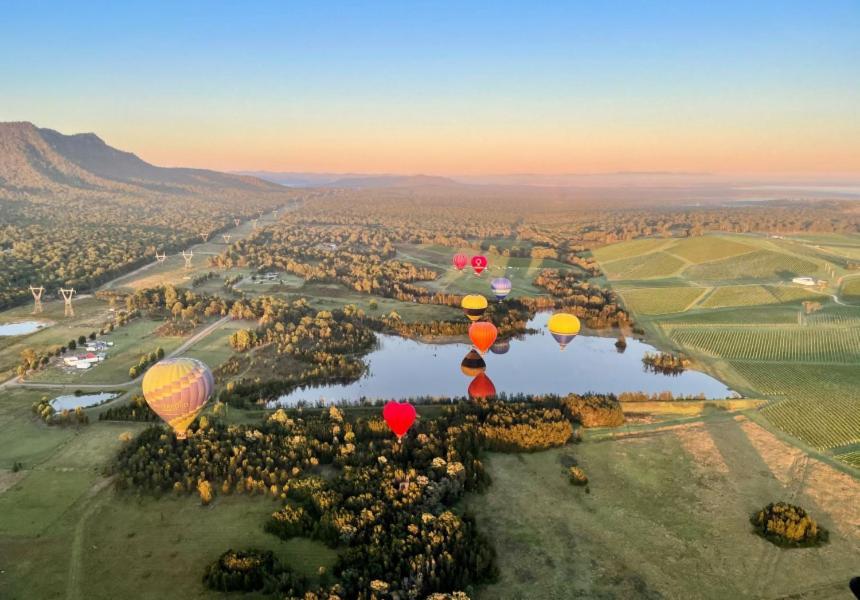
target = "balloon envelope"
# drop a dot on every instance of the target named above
(482, 387)
(460, 261)
(479, 263)
(483, 334)
(176, 389)
(474, 305)
(563, 327)
(399, 416)
(501, 287)
(473, 364)
(501, 347)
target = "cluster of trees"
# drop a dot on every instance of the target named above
(594, 410)
(253, 571)
(598, 307)
(50, 416)
(666, 363)
(136, 410)
(785, 524)
(577, 476)
(146, 361)
(180, 305)
(656, 397)
(389, 507)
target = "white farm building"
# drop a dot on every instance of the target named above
(804, 281)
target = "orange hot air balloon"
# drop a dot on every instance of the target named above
(479, 263)
(460, 261)
(483, 334)
(482, 387)
(176, 389)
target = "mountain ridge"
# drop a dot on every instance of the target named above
(34, 159)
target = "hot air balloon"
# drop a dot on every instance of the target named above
(563, 327)
(483, 334)
(399, 416)
(500, 347)
(479, 263)
(482, 387)
(177, 389)
(501, 287)
(473, 364)
(460, 261)
(474, 305)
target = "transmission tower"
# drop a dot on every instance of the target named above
(205, 236)
(226, 237)
(67, 297)
(237, 221)
(160, 257)
(37, 297)
(188, 256)
(260, 213)
(253, 223)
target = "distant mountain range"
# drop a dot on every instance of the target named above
(43, 160)
(350, 180)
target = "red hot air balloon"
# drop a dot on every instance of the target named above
(483, 334)
(400, 416)
(479, 263)
(482, 387)
(460, 261)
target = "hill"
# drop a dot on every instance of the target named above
(34, 159)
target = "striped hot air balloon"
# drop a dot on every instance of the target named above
(483, 334)
(177, 389)
(563, 327)
(474, 305)
(460, 261)
(473, 364)
(501, 287)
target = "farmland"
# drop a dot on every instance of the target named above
(751, 327)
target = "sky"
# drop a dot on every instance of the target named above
(459, 88)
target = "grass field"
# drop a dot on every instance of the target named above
(648, 266)
(751, 330)
(660, 301)
(666, 517)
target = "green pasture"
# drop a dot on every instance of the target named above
(640, 530)
(752, 330)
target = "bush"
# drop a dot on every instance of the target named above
(577, 476)
(788, 525)
(252, 571)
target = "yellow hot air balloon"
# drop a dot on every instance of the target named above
(474, 305)
(177, 389)
(563, 327)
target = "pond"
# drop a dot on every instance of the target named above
(402, 368)
(71, 401)
(21, 328)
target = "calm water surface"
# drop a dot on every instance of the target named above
(71, 402)
(21, 328)
(401, 368)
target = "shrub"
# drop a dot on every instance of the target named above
(577, 476)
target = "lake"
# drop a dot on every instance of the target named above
(21, 328)
(402, 368)
(71, 401)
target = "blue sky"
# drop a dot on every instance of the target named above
(446, 87)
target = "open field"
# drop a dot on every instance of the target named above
(663, 506)
(659, 300)
(64, 532)
(757, 337)
(648, 266)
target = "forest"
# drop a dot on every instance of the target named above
(390, 509)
